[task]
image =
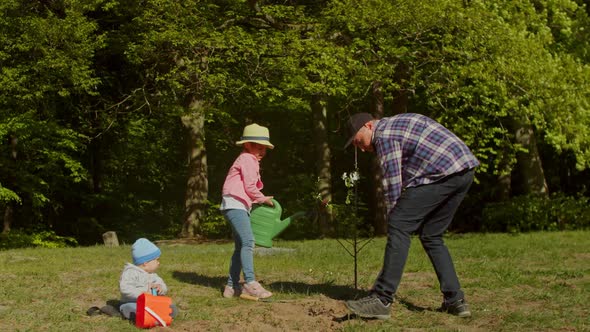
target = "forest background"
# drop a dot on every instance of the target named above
(121, 115)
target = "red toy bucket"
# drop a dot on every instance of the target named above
(153, 311)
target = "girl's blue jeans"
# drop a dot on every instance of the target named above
(243, 256)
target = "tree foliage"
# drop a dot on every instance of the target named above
(92, 93)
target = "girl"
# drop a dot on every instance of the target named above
(242, 189)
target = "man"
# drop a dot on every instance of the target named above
(427, 170)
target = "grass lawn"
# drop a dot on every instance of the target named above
(523, 282)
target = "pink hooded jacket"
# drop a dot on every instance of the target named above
(243, 180)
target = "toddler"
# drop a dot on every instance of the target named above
(140, 277)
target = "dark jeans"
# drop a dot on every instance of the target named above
(427, 210)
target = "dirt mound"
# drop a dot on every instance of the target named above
(312, 314)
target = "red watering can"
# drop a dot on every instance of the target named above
(153, 310)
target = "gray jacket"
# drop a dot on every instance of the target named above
(134, 281)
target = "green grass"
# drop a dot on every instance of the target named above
(534, 282)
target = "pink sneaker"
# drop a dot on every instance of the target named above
(229, 292)
(254, 289)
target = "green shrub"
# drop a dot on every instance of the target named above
(42, 239)
(570, 213)
(536, 213)
(214, 226)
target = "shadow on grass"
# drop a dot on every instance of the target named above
(336, 292)
(114, 303)
(412, 307)
(199, 279)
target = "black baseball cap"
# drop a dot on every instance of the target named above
(355, 123)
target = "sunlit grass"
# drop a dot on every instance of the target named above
(537, 281)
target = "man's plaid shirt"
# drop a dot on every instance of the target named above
(416, 150)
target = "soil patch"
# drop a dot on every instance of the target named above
(311, 314)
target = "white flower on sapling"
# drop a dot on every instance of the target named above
(350, 181)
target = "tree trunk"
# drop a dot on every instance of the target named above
(400, 97)
(323, 166)
(197, 186)
(379, 207)
(8, 218)
(529, 163)
(503, 188)
(96, 164)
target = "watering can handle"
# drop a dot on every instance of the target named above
(276, 204)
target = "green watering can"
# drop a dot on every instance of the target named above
(266, 223)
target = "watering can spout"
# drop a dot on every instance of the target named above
(267, 224)
(287, 221)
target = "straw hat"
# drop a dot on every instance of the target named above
(255, 134)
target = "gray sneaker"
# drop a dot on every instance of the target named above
(369, 307)
(458, 308)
